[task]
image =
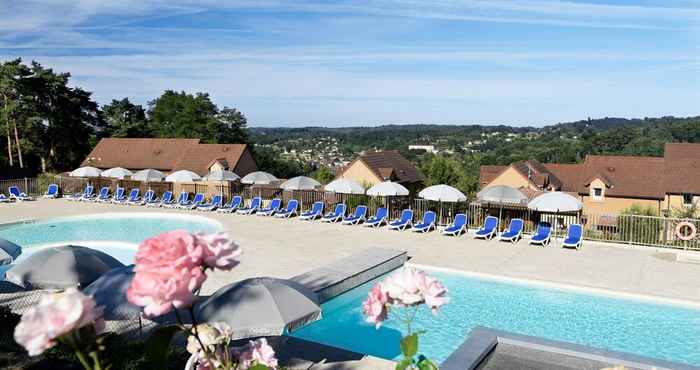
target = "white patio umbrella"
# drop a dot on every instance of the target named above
(345, 186)
(555, 202)
(116, 173)
(221, 175)
(261, 307)
(300, 183)
(501, 194)
(183, 176)
(387, 189)
(442, 193)
(148, 175)
(86, 171)
(258, 178)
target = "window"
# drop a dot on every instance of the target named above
(597, 193)
(687, 200)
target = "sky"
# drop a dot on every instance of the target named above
(364, 62)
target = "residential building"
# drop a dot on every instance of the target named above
(170, 155)
(374, 167)
(425, 148)
(611, 184)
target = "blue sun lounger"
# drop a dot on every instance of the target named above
(427, 224)
(231, 206)
(51, 192)
(337, 214)
(357, 217)
(17, 194)
(542, 235)
(119, 196)
(85, 194)
(378, 219)
(489, 230)
(212, 205)
(197, 201)
(315, 212)
(4, 199)
(514, 232)
(148, 196)
(182, 199)
(574, 239)
(167, 197)
(252, 208)
(134, 198)
(102, 196)
(404, 222)
(270, 210)
(290, 211)
(458, 227)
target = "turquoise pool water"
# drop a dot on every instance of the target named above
(654, 330)
(113, 233)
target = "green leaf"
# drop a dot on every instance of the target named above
(409, 345)
(157, 345)
(259, 367)
(404, 363)
(426, 364)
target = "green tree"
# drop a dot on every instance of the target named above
(439, 169)
(232, 127)
(183, 115)
(125, 119)
(323, 175)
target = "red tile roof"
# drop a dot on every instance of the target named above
(629, 177)
(393, 164)
(488, 173)
(682, 168)
(198, 158)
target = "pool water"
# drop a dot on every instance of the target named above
(655, 330)
(114, 233)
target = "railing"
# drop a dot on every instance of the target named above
(620, 228)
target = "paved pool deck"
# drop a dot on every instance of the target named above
(288, 247)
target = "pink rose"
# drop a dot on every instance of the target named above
(258, 352)
(434, 293)
(219, 251)
(56, 315)
(375, 306)
(174, 249)
(159, 291)
(403, 288)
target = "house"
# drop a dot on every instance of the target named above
(374, 167)
(170, 155)
(609, 184)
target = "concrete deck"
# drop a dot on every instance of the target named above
(285, 248)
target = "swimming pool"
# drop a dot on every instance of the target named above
(661, 331)
(114, 233)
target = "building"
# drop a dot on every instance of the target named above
(610, 184)
(170, 155)
(375, 167)
(425, 148)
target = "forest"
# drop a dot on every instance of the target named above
(50, 126)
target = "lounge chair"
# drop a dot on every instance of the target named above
(166, 198)
(427, 224)
(404, 222)
(119, 196)
(574, 237)
(336, 215)
(315, 212)
(197, 201)
(51, 192)
(458, 227)
(357, 217)
(182, 199)
(148, 196)
(514, 231)
(290, 211)
(270, 210)
(231, 206)
(17, 194)
(378, 219)
(4, 198)
(541, 236)
(489, 230)
(215, 203)
(134, 198)
(87, 193)
(252, 208)
(103, 196)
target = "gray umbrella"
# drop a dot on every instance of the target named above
(8, 251)
(221, 175)
(109, 291)
(300, 183)
(148, 175)
(501, 194)
(261, 307)
(61, 267)
(258, 178)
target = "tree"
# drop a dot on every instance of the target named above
(232, 127)
(269, 160)
(323, 175)
(441, 170)
(183, 115)
(125, 119)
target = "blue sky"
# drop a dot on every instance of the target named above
(362, 62)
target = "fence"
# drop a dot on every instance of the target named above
(629, 229)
